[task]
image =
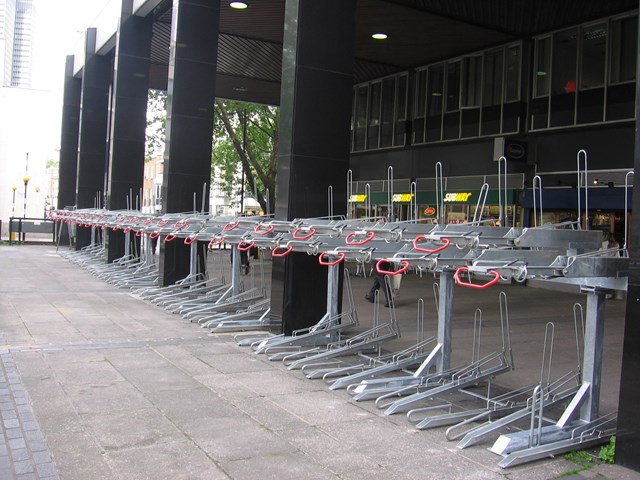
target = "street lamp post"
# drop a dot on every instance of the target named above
(13, 207)
(26, 182)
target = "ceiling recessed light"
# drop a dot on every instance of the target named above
(379, 36)
(238, 5)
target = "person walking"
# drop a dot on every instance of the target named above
(379, 283)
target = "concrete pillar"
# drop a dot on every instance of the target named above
(128, 118)
(189, 128)
(628, 438)
(92, 140)
(315, 114)
(70, 127)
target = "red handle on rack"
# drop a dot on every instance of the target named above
(286, 251)
(170, 237)
(162, 223)
(230, 226)
(326, 263)
(445, 242)
(479, 286)
(263, 231)
(179, 225)
(213, 242)
(127, 229)
(405, 265)
(312, 232)
(368, 238)
(139, 233)
(115, 228)
(154, 234)
(147, 221)
(243, 246)
(190, 239)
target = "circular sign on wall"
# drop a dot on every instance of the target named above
(429, 211)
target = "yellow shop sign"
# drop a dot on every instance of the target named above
(460, 197)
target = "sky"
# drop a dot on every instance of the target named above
(58, 29)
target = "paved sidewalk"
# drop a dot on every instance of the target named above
(121, 389)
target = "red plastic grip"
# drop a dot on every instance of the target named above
(179, 225)
(115, 228)
(127, 229)
(170, 237)
(162, 223)
(479, 286)
(326, 263)
(370, 236)
(214, 243)
(139, 233)
(445, 242)
(243, 246)
(190, 239)
(405, 266)
(286, 251)
(312, 232)
(230, 226)
(263, 231)
(154, 234)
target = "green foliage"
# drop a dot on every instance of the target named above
(579, 456)
(156, 117)
(245, 142)
(608, 452)
(52, 163)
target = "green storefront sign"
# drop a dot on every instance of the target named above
(458, 197)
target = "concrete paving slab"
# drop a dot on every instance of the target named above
(292, 466)
(134, 392)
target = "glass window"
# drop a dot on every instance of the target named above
(563, 78)
(435, 89)
(624, 35)
(401, 104)
(421, 80)
(471, 81)
(374, 116)
(361, 117)
(512, 74)
(594, 47)
(492, 86)
(543, 66)
(388, 109)
(565, 49)
(453, 86)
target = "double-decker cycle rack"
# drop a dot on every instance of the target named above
(475, 255)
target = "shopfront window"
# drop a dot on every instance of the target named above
(585, 74)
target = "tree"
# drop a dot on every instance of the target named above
(245, 145)
(156, 118)
(245, 138)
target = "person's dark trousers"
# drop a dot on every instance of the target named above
(379, 284)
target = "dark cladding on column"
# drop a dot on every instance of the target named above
(70, 128)
(92, 143)
(189, 131)
(315, 114)
(129, 122)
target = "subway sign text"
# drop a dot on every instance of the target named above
(457, 197)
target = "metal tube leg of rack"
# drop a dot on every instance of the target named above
(445, 310)
(333, 293)
(235, 270)
(592, 356)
